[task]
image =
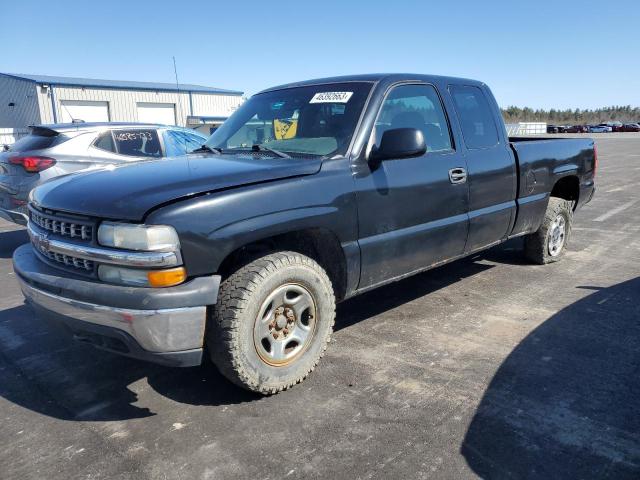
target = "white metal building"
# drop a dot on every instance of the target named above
(526, 128)
(41, 99)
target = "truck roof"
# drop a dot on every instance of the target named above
(375, 78)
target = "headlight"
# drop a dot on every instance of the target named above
(157, 238)
(142, 278)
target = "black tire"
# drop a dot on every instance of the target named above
(537, 246)
(230, 336)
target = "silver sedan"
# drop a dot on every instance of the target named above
(53, 150)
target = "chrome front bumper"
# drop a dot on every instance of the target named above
(165, 330)
(161, 325)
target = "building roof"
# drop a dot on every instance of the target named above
(119, 84)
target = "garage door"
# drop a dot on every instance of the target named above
(84, 110)
(164, 113)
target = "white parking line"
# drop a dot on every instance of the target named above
(615, 211)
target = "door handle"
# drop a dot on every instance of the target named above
(457, 175)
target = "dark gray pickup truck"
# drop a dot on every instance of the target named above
(309, 193)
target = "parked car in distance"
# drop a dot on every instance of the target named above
(599, 129)
(631, 127)
(59, 149)
(576, 129)
(308, 194)
(607, 126)
(615, 126)
(552, 129)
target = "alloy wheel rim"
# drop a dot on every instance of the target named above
(285, 324)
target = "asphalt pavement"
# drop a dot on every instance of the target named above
(488, 367)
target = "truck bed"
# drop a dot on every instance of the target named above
(541, 163)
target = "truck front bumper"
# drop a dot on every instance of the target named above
(164, 325)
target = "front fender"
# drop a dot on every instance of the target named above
(213, 226)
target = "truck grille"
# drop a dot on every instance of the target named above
(54, 225)
(63, 226)
(67, 261)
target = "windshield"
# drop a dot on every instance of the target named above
(312, 120)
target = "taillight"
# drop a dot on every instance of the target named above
(595, 159)
(33, 164)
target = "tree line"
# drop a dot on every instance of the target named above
(624, 114)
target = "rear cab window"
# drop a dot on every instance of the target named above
(476, 117)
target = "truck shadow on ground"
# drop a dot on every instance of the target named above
(391, 296)
(11, 240)
(564, 404)
(396, 294)
(43, 370)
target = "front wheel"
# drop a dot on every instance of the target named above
(549, 242)
(272, 323)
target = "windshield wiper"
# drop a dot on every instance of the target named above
(207, 148)
(262, 148)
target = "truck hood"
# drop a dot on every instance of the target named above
(128, 192)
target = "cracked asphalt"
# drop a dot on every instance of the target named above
(488, 367)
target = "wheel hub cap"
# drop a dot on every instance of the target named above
(281, 322)
(557, 235)
(285, 324)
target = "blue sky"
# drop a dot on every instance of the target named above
(535, 53)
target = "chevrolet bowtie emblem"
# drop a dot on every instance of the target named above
(41, 241)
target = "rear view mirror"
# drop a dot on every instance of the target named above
(399, 143)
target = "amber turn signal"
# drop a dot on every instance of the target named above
(167, 278)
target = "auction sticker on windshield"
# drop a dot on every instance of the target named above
(331, 97)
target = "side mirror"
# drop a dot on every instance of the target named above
(398, 143)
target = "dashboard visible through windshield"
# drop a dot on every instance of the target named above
(311, 120)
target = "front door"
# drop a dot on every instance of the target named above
(412, 212)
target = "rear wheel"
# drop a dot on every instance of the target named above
(549, 243)
(272, 323)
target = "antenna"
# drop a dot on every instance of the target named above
(175, 71)
(73, 120)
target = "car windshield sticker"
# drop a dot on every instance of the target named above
(331, 97)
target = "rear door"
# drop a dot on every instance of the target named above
(491, 166)
(411, 214)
